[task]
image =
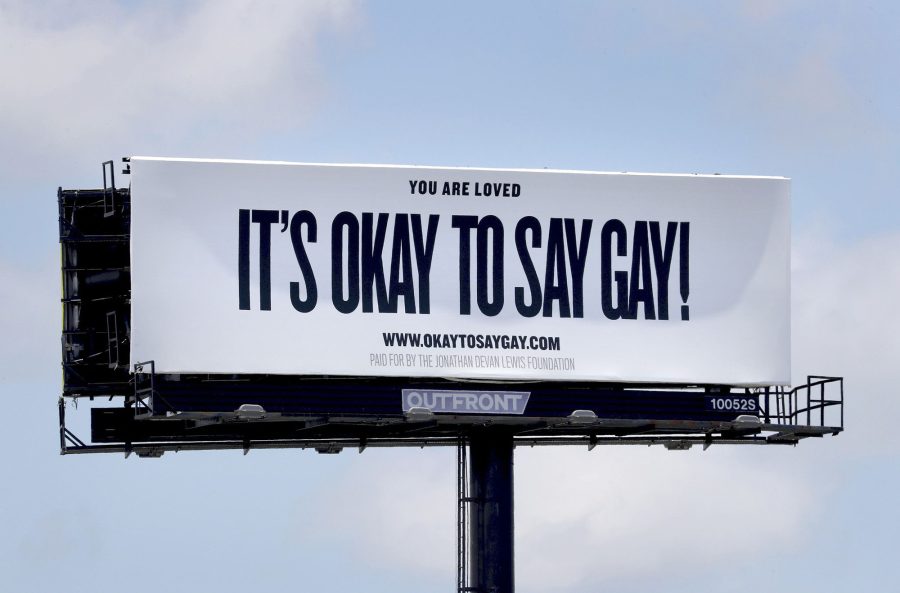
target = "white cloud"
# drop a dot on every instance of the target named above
(589, 520)
(767, 10)
(396, 509)
(845, 323)
(30, 319)
(803, 98)
(583, 519)
(157, 76)
(59, 537)
(84, 82)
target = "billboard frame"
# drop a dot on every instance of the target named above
(183, 412)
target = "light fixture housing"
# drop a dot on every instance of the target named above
(419, 414)
(583, 417)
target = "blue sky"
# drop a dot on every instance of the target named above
(808, 90)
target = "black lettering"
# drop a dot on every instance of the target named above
(465, 224)
(372, 265)
(662, 262)
(401, 268)
(620, 308)
(345, 220)
(304, 217)
(577, 259)
(556, 262)
(528, 223)
(424, 253)
(641, 289)
(493, 225)
(684, 268)
(265, 219)
(244, 259)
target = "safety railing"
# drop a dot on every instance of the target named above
(818, 402)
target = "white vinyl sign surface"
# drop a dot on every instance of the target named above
(354, 270)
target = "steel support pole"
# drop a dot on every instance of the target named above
(491, 566)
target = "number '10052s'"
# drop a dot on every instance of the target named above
(729, 403)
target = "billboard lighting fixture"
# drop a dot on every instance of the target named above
(329, 449)
(583, 417)
(747, 419)
(250, 412)
(678, 446)
(153, 453)
(419, 414)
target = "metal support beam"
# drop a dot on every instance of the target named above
(491, 566)
(462, 516)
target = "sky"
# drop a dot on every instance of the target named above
(804, 89)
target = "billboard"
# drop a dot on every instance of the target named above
(486, 274)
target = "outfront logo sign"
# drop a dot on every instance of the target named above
(466, 402)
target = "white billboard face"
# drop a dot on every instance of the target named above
(286, 268)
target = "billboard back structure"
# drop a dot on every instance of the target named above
(479, 274)
(556, 331)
